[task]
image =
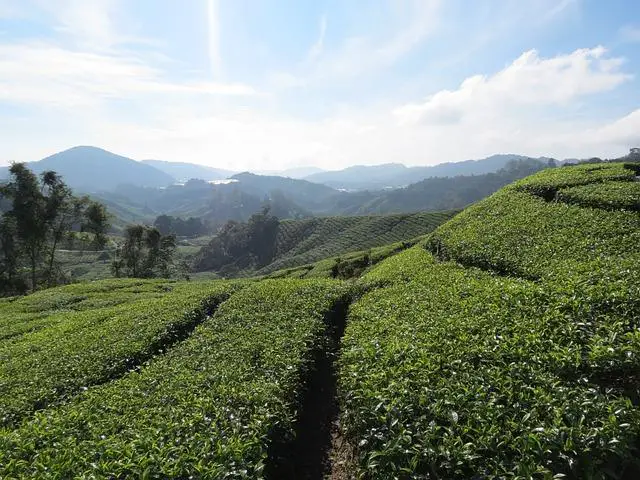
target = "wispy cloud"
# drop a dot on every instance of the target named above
(561, 7)
(316, 49)
(630, 34)
(213, 24)
(84, 79)
(359, 55)
(47, 75)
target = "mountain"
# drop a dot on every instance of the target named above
(361, 177)
(247, 193)
(395, 175)
(214, 204)
(183, 171)
(300, 172)
(296, 172)
(312, 196)
(91, 169)
(444, 193)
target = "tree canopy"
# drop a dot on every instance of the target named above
(40, 212)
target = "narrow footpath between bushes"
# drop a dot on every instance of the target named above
(316, 452)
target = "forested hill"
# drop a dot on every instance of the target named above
(246, 193)
(442, 193)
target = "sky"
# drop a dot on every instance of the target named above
(274, 84)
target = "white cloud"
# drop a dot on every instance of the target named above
(528, 81)
(358, 55)
(98, 90)
(9, 9)
(88, 23)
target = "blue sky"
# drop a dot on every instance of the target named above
(269, 84)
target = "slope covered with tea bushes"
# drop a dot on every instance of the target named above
(80, 343)
(503, 345)
(302, 242)
(213, 407)
(511, 351)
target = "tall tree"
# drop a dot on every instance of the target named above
(96, 221)
(145, 253)
(9, 281)
(42, 211)
(29, 211)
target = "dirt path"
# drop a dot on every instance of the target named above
(315, 453)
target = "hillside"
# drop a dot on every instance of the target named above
(504, 345)
(293, 243)
(312, 196)
(182, 171)
(90, 169)
(442, 193)
(292, 198)
(306, 241)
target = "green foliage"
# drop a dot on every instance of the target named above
(546, 183)
(240, 246)
(609, 195)
(347, 266)
(65, 340)
(455, 373)
(210, 408)
(41, 213)
(145, 253)
(191, 227)
(505, 344)
(527, 369)
(516, 233)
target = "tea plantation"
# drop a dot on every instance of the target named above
(506, 344)
(306, 241)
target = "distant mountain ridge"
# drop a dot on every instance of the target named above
(295, 172)
(91, 169)
(183, 171)
(396, 175)
(139, 191)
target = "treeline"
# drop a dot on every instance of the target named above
(632, 156)
(448, 193)
(239, 246)
(190, 227)
(40, 213)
